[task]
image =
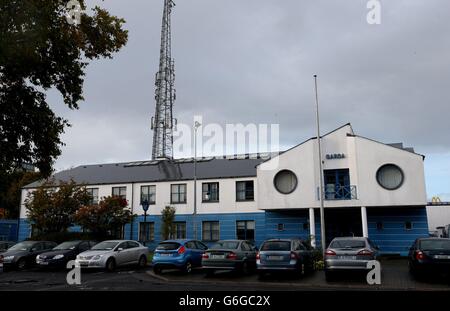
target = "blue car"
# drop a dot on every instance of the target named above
(178, 254)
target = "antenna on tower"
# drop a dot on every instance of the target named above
(163, 122)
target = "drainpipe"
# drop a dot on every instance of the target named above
(365, 227)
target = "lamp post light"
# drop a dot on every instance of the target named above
(196, 126)
(145, 206)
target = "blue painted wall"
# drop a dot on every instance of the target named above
(8, 230)
(394, 238)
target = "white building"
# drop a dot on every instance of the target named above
(371, 189)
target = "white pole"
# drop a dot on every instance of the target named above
(312, 227)
(322, 212)
(196, 126)
(365, 227)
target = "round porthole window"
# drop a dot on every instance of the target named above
(390, 176)
(285, 181)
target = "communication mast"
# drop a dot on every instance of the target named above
(163, 123)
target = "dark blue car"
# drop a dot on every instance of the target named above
(178, 254)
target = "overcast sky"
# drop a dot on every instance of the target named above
(252, 61)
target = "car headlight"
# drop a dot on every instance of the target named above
(58, 256)
(97, 257)
(8, 258)
(38, 257)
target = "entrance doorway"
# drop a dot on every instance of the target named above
(342, 222)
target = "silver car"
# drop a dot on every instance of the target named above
(114, 253)
(349, 254)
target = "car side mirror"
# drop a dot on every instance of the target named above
(120, 249)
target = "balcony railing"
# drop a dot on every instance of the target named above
(338, 192)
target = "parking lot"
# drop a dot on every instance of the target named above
(395, 276)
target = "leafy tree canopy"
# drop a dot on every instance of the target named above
(52, 209)
(40, 50)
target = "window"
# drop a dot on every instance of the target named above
(285, 181)
(117, 233)
(201, 246)
(191, 245)
(146, 231)
(245, 230)
(93, 192)
(132, 244)
(179, 230)
(210, 231)
(148, 193)
(210, 192)
(120, 192)
(280, 227)
(84, 246)
(408, 225)
(245, 191)
(379, 226)
(390, 177)
(178, 194)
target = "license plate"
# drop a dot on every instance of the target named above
(43, 263)
(347, 257)
(166, 255)
(217, 256)
(442, 256)
(274, 257)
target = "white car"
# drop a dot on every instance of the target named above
(114, 253)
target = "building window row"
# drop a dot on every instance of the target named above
(245, 230)
(245, 191)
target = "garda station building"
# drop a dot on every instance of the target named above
(371, 189)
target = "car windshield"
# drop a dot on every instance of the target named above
(105, 246)
(168, 246)
(226, 245)
(348, 244)
(23, 246)
(276, 246)
(67, 246)
(428, 245)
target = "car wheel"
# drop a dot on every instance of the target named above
(245, 268)
(110, 265)
(188, 267)
(21, 264)
(142, 262)
(157, 270)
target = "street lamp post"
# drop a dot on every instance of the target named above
(145, 206)
(322, 210)
(196, 126)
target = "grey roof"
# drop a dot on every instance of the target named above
(157, 171)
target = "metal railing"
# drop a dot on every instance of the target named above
(338, 192)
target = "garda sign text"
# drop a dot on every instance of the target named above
(332, 156)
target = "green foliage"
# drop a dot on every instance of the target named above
(52, 209)
(102, 219)
(168, 217)
(40, 50)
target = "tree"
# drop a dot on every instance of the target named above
(110, 214)
(168, 216)
(11, 189)
(39, 50)
(51, 209)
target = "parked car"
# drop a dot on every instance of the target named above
(429, 255)
(292, 255)
(349, 254)
(230, 255)
(23, 254)
(61, 254)
(5, 245)
(178, 254)
(114, 253)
